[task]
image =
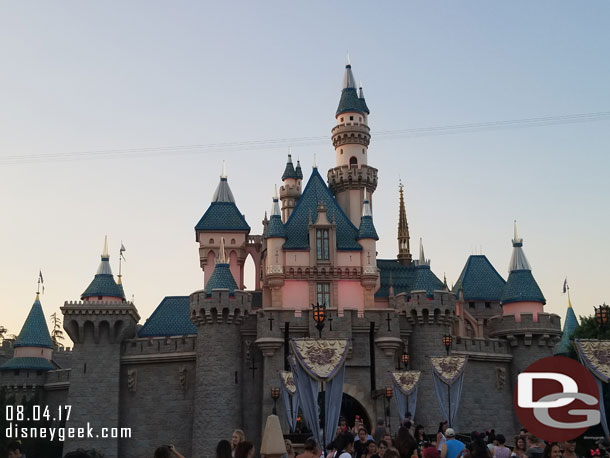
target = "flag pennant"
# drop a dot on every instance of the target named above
(40, 276)
(123, 249)
(565, 285)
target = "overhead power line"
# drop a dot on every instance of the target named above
(249, 145)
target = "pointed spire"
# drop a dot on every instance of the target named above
(366, 206)
(105, 253)
(360, 91)
(104, 267)
(298, 170)
(404, 250)
(34, 332)
(422, 261)
(276, 205)
(367, 228)
(289, 171)
(518, 261)
(276, 226)
(347, 62)
(349, 82)
(103, 284)
(315, 161)
(223, 191)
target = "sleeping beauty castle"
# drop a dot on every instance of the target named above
(204, 363)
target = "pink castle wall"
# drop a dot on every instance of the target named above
(33, 352)
(295, 295)
(517, 308)
(350, 295)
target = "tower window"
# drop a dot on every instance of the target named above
(353, 161)
(362, 150)
(322, 251)
(341, 150)
(341, 119)
(211, 242)
(471, 305)
(323, 293)
(360, 118)
(351, 118)
(487, 305)
(232, 241)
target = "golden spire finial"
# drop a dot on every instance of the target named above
(404, 250)
(105, 253)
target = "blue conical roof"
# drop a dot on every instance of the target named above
(221, 278)
(350, 99)
(28, 363)
(521, 287)
(569, 326)
(367, 228)
(298, 171)
(103, 283)
(289, 171)
(170, 318)
(222, 214)
(479, 280)
(35, 332)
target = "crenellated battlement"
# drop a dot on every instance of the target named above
(482, 349)
(347, 177)
(151, 346)
(58, 376)
(507, 325)
(421, 309)
(220, 306)
(101, 321)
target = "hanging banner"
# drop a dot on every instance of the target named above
(290, 398)
(448, 368)
(405, 392)
(321, 358)
(595, 356)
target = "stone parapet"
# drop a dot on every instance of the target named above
(421, 309)
(352, 177)
(507, 325)
(349, 133)
(219, 307)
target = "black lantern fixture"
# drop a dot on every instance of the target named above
(602, 315)
(275, 395)
(405, 359)
(447, 341)
(319, 316)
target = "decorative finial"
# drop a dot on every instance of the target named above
(275, 193)
(224, 170)
(105, 253)
(515, 230)
(348, 61)
(315, 161)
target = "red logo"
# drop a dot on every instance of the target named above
(557, 399)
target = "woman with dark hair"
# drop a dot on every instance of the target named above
(244, 449)
(552, 451)
(405, 443)
(223, 449)
(440, 436)
(500, 450)
(344, 445)
(520, 447)
(371, 450)
(420, 437)
(477, 448)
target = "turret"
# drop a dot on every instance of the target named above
(367, 238)
(103, 288)
(223, 219)
(218, 311)
(404, 249)
(521, 293)
(274, 262)
(291, 189)
(33, 347)
(351, 137)
(98, 326)
(570, 324)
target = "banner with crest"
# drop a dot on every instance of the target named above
(405, 392)
(290, 398)
(318, 361)
(595, 356)
(448, 374)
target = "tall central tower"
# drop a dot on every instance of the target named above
(351, 137)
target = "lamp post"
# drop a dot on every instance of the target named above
(447, 341)
(275, 395)
(388, 395)
(602, 316)
(319, 316)
(405, 360)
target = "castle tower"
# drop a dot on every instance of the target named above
(367, 238)
(33, 347)
(404, 250)
(98, 326)
(274, 261)
(217, 311)
(530, 331)
(291, 190)
(223, 219)
(103, 288)
(570, 324)
(351, 137)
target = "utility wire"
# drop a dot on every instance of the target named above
(277, 143)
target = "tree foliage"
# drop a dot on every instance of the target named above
(589, 329)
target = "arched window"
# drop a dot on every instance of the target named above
(211, 242)
(353, 161)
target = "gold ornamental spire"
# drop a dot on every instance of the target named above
(404, 251)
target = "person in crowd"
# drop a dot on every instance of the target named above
(344, 445)
(290, 453)
(405, 442)
(311, 449)
(167, 451)
(388, 438)
(391, 452)
(382, 447)
(371, 450)
(501, 450)
(440, 436)
(237, 437)
(245, 449)
(14, 450)
(569, 449)
(478, 448)
(223, 449)
(357, 425)
(428, 450)
(343, 424)
(552, 451)
(379, 430)
(520, 447)
(360, 442)
(491, 440)
(420, 437)
(535, 447)
(523, 433)
(452, 447)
